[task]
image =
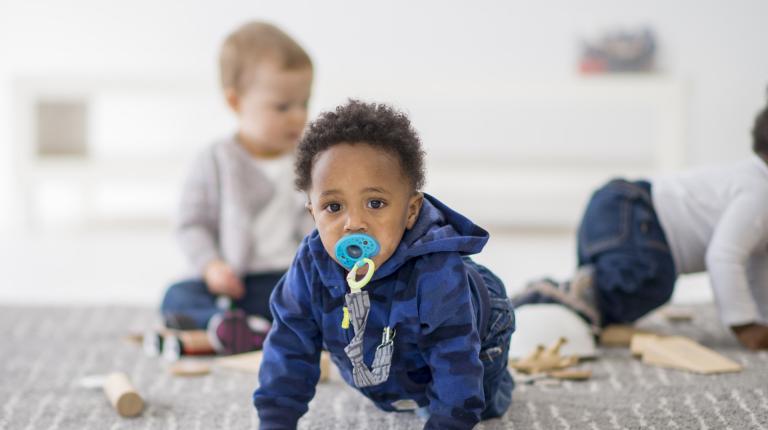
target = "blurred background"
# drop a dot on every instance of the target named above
(524, 107)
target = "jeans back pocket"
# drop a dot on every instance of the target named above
(606, 222)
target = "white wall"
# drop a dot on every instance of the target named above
(714, 48)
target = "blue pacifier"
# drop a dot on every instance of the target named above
(355, 247)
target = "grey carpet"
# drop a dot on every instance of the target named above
(44, 351)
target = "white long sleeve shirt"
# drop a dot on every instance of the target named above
(716, 220)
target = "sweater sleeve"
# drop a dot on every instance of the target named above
(739, 232)
(197, 229)
(290, 365)
(450, 343)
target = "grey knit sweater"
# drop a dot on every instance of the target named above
(222, 195)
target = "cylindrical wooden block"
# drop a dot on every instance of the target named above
(188, 342)
(121, 394)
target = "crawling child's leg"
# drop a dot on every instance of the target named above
(625, 265)
(494, 349)
(622, 240)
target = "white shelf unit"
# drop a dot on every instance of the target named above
(528, 154)
(515, 154)
(141, 136)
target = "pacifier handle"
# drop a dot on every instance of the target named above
(356, 285)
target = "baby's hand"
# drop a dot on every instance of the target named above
(753, 336)
(221, 279)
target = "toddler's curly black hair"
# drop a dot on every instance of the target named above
(378, 125)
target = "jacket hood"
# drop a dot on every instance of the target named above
(438, 229)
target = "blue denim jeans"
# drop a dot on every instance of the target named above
(191, 298)
(494, 348)
(621, 237)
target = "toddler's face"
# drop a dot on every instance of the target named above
(272, 108)
(360, 189)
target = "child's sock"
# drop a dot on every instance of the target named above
(582, 287)
(578, 294)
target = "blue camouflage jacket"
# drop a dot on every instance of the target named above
(423, 291)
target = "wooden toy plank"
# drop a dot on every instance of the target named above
(245, 362)
(251, 362)
(187, 367)
(683, 353)
(639, 342)
(619, 335)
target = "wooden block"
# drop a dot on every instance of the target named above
(195, 342)
(246, 362)
(619, 335)
(187, 367)
(677, 315)
(682, 353)
(251, 362)
(121, 394)
(639, 341)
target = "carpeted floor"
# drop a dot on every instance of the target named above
(45, 351)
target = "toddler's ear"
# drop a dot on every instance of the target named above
(414, 208)
(308, 205)
(233, 100)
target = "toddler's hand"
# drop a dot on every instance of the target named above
(753, 336)
(221, 279)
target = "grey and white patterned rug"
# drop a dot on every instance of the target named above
(45, 351)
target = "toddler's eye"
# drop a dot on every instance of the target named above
(333, 207)
(375, 204)
(283, 107)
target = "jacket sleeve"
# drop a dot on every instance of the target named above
(290, 365)
(197, 229)
(739, 232)
(450, 343)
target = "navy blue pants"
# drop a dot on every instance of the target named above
(192, 299)
(620, 235)
(494, 349)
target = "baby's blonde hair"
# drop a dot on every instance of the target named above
(251, 44)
